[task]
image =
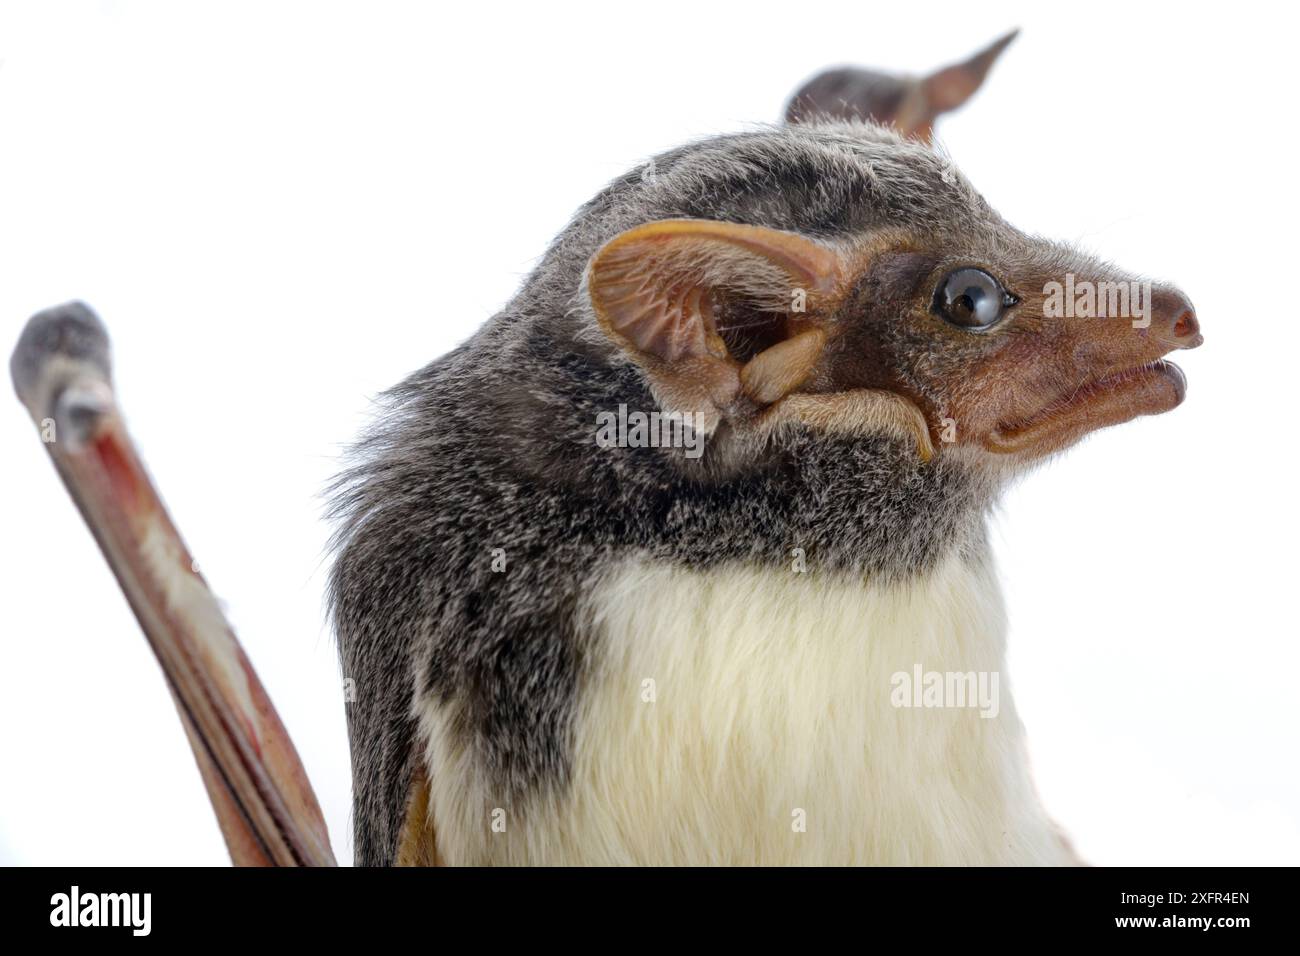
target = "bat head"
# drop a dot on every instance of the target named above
(911, 310)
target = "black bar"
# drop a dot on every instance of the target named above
(982, 907)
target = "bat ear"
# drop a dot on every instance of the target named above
(952, 86)
(716, 312)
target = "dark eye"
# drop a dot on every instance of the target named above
(972, 299)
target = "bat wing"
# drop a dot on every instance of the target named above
(417, 843)
(259, 790)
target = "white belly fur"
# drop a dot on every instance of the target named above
(772, 696)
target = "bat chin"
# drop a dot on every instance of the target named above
(1148, 389)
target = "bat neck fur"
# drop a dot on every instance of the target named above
(742, 715)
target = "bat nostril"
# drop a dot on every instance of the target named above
(1173, 320)
(1186, 325)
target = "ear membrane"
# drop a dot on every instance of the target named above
(952, 86)
(712, 310)
(777, 371)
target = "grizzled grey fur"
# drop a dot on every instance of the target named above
(493, 446)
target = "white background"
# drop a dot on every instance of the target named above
(281, 210)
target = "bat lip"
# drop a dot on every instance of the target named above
(1148, 389)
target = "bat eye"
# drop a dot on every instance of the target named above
(972, 299)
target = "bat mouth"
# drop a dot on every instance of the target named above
(1148, 389)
